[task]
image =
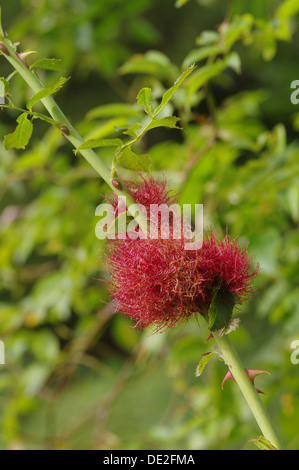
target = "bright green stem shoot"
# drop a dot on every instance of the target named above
(247, 388)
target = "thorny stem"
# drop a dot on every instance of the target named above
(57, 114)
(247, 388)
(102, 169)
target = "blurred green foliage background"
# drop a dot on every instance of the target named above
(76, 375)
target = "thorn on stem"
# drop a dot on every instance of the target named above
(65, 130)
(3, 49)
(116, 184)
(251, 375)
(23, 57)
(209, 337)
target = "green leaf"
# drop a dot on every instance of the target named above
(203, 362)
(234, 62)
(6, 86)
(208, 37)
(287, 9)
(202, 53)
(102, 130)
(169, 93)
(113, 109)
(48, 91)
(153, 63)
(203, 74)
(168, 121)
(21, 136)
(207, 72)
(221, 309)
(234, 31)
(180, 3)
(48, 64)
(132, 130)
(131, 161)
(94, 143)
(144, 99)
(262, 443)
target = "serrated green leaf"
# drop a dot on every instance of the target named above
(203, 362)
(221, 309)
(168, 121)
(48, 64)
(21, 135)
(132, 130)
(95, 143)
(48, 91)
(6, 85)
(169, 93)
(131, 161)
(144, 99)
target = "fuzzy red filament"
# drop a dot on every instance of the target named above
(157, 282)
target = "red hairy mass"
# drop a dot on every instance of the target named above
(158, 282)
(152, 280)
(147, 192)
(226, 264)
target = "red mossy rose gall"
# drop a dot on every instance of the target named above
(224, 264)
(158, 282)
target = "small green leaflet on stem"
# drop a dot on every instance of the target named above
(144, 99)
(133, 129)
(203, 362)
(262, 443)
(45, 92)
(131, 161)
(95, 143)
(6, 86)
(21, 135)
(232, 325)
(221, 309)
(47, 64)
(168, 121)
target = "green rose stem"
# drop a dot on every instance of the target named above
(247, 388)
(69, 131)
(102, 169)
